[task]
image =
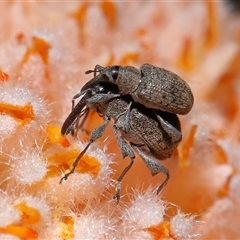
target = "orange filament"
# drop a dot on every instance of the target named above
(227, 94)
(110, 60)
(89, 164)
(211, 31)
(141, 32)
(80, 17)
(24, 114)
(220, 155)
(19, 231)
(3, 76)
(63, 160)
(186, 58)
(29, 215)
(228, 97)
(55, 170)
(64, 157)
(109, 10)
(161, 231)
(224, 190)
(233, 108)
(67, 227)
(184, 148)
(20, 38)
(129, 57)
(54, 134)
(40, 47)
(226, 85)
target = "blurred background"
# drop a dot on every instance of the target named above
(49, 45)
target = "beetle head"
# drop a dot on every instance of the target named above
(108, 74)
(111, 73)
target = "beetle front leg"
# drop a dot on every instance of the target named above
(96, 133)
(79, 125)
(153, 165)
(102, 97)
(77, 96)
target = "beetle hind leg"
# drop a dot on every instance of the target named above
(126, 151)
(117, 195)
(172, 129)
(153, 165)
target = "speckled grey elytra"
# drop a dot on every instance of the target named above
(151, 86)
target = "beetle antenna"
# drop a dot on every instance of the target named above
(92, 71)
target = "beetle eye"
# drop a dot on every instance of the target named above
(101, 89)
(115, 72)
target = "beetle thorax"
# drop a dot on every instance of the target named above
(128, 79)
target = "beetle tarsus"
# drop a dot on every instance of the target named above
(117, 195)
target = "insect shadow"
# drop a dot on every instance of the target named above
(152, 134)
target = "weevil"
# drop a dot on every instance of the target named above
(152, 134)
(151, 86)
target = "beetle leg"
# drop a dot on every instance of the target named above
(171, 131)
(77, 112)
(80, 125)
(77, 96)
(124, 147)
(127, 119)
(96, 133)
(98, 98)
(126, 151)
(153, 165)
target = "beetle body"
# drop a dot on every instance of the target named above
(151, 86)
(153, 134)
(144, 126)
